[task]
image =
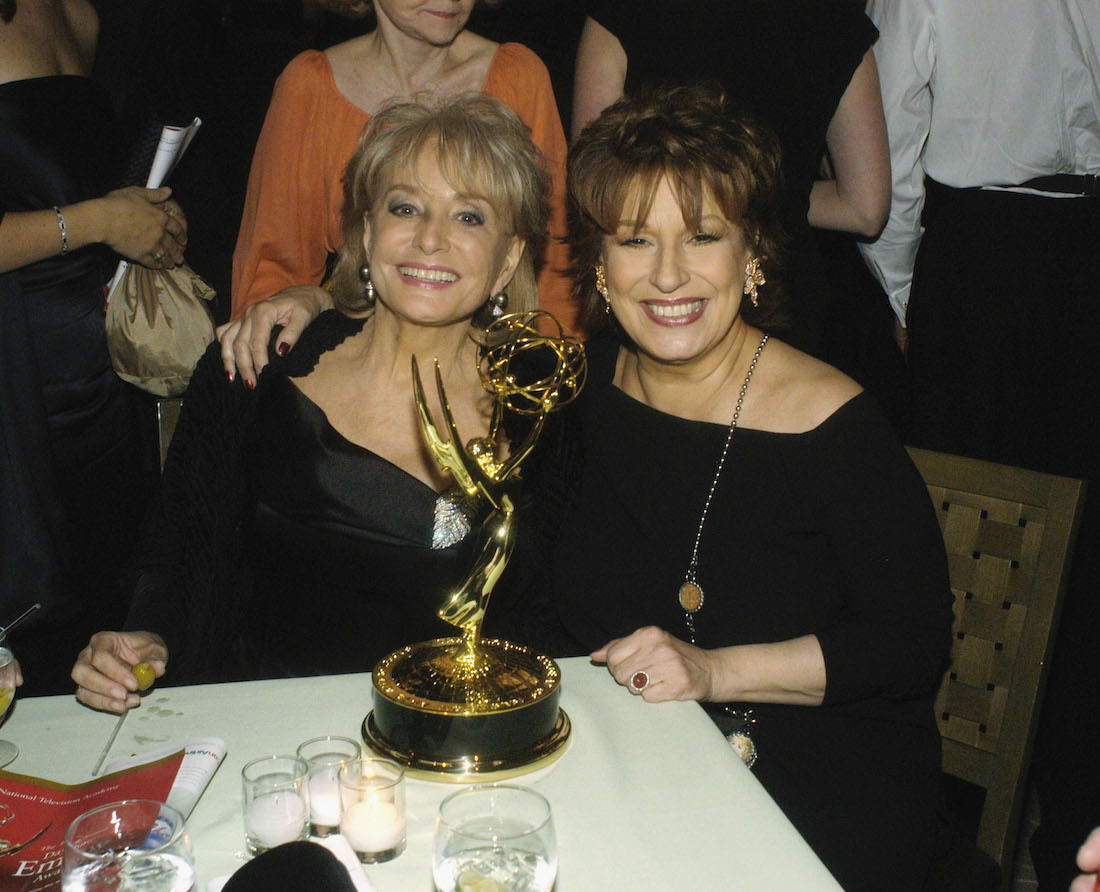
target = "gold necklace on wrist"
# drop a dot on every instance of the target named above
(691, 593)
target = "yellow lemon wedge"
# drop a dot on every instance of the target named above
(145, 675)
(472, 881)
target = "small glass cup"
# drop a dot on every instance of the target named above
(499, 835)
(372, 808)
(8, 750)
(137, 844)
(276, 802)
(325, 755)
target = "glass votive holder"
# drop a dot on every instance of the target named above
(276, 802)
(134, 844)
(324, 756)
(372, 808)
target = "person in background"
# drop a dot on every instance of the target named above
(304, 526)
(805, 70)
(990, 261)
(78, 463)
(170, 61)
(322, 101)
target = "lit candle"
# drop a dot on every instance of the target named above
(324, 798)
(373, 825)
(275, 818)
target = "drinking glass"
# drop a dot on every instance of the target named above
(276, 802)
(8, 750)
(137, 845)
(495, 836)
(324, 756)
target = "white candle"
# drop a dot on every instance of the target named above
(275, 818)
(372, 825)
(324, 798)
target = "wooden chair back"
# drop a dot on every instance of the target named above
(1009, 534)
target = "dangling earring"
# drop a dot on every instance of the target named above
(368, 285)
(490, 311)
(601, 287)
(754, 277)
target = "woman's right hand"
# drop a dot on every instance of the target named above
(144, 226)
(103, 671)
(244, 340)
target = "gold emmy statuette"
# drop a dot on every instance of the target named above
(466, 705)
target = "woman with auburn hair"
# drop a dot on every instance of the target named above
(322, 102)
(742, 528)
(304, 526)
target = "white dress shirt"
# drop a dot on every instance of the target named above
(980, 93)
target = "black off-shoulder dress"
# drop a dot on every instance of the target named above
(830, 533)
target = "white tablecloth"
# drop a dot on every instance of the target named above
(647, 796)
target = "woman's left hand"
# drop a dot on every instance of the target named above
(658, 666)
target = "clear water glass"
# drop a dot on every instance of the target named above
(137, 845)
(8, 750)
(498, 837)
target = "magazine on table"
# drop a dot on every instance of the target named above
(35, 812)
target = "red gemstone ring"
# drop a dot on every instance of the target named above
(639, 682)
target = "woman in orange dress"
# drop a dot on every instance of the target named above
(322, 102)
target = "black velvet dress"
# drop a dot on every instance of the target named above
(76, 475)
(280, 548)
(829, 533)
(785, 62)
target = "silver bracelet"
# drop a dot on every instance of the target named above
(64, 232)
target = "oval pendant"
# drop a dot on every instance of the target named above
(744, 747)
(691, 597)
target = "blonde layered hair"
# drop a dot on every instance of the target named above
(481, 143)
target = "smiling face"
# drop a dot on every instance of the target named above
(675, 289)
(437, 250)
(437, 22)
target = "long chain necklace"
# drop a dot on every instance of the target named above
(691, 593)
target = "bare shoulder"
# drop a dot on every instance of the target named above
(84, 23)
(343, 57)
(800, 392)
(469, 46)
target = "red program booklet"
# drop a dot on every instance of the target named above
(35, 813)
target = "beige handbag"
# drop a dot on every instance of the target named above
(158, 326)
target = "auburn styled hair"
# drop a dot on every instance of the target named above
(690, 137)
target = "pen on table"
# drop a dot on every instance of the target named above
(19, 620)
(145, 676)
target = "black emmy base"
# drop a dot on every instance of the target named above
(450, 713)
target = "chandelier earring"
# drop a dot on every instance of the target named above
(368, 285)
(754, 278)
(601, 287)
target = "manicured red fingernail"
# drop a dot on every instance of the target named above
(282, 348)
(229, 375)
(250, 384)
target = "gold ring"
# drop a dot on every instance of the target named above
(639, 682)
